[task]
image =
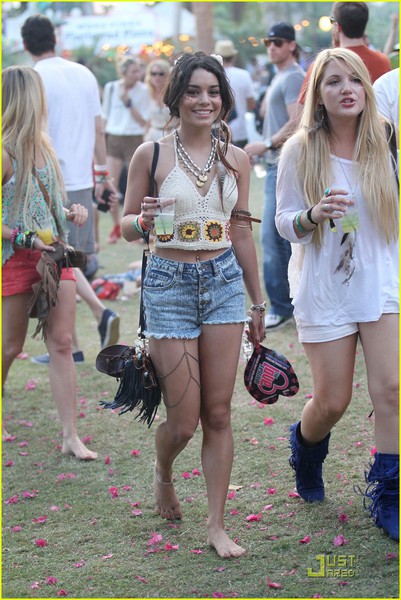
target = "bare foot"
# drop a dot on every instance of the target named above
(224, 547)
(74, 447)
(167, 503)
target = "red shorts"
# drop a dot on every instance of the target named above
(19, 273)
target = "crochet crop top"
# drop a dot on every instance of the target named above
(200, 222)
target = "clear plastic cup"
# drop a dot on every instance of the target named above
(43, 227)
(164, 218)
(350, 220)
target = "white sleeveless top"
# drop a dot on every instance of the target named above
(200, 222)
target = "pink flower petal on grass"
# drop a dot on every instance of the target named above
(41, 543)
(79, 564)
(254, 517)
(271, 491)
(51, 580)
(340, 540)
(40, 519)
(231, 495)
(141, 579)
(22, 355)
(12, 500)
(35, 585)
(170, 546)
(268, 421)
(342, 517)
(186, 475)
(62, 593)
(196, 472)
(155, 539)
(16, 528)
(107, 460)
(196, 551)
(305, 540)
(293, 495)
(136, 452)
(113, 491)
(31, 385)
(273, 585)
(136, 512)
(391, 555)
(107, 556)
(31, 494)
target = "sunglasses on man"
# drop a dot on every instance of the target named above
(276, 41)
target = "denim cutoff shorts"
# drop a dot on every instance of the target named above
(180, 297)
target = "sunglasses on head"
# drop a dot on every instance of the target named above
(157, 74)
(276, 41)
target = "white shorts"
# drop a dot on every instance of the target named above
(311, 334)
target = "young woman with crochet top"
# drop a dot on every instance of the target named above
(194, 293)
(338, 201)
(29, 162)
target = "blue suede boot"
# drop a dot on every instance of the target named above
(307, 463)
(383, 493)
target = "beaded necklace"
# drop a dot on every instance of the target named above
(200, 174)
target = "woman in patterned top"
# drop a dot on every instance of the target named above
(194, 293)
(29, 162)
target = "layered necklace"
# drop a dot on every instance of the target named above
(200, 174)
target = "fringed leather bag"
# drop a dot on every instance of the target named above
(139, 387)
(132, 365)
(45, 292)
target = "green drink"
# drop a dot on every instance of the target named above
(164, 220)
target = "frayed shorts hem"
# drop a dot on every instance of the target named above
(192, 335)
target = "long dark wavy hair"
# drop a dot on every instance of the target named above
(178, 82)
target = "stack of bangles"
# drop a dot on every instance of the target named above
(298, 223)
(258, 307)
(243, 215)
(140, 226)
(101, 173)
(23, 239)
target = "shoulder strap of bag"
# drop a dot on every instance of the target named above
(152, 188)
(46, 197)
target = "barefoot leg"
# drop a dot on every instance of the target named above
(166, 501)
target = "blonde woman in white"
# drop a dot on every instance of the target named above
(338, 198)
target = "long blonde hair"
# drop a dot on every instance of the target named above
(371, 150)
(24, 120)
(161, 64)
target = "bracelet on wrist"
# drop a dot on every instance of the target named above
(14, 234)
(259, 307)
(298, 223)
(25, 239)
(309, 216)
(137, 225)
(102, 178)
(142, 224)
(20, 240)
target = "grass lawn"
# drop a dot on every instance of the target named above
(88, 530)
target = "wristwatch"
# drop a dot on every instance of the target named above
(268, 144)
(128, 104)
